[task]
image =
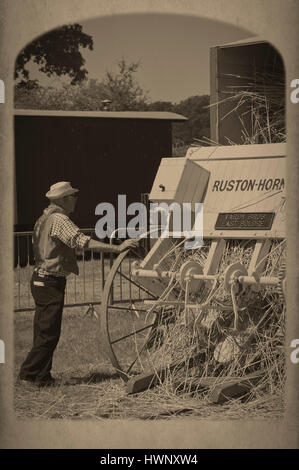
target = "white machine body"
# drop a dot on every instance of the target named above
(242, 188)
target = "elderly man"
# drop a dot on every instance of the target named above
(55, 240)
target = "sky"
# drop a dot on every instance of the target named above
(173, 50)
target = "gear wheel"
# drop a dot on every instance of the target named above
(282, 282)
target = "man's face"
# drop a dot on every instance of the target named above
(70, 202)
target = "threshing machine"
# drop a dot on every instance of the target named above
(216, 309)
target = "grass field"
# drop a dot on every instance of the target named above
(89, 387)
(98, 393)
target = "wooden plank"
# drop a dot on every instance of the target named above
(151, 378)
(235, 387)
(222, 388)
(214, 257)
(143, 382)
(259, 257)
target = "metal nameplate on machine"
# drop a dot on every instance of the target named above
(244, 221)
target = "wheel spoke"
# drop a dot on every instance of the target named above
(139, 352)
(132, 334)
(128, 309)
(135, 284)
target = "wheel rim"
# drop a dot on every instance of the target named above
(128, 340)
(124, 329)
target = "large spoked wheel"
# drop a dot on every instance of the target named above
(126, 327)
(134, 320)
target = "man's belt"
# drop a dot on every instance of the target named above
(43, 273)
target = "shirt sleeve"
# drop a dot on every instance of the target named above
(67, 232)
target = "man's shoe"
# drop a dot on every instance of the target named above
(49, 382)
(26, 382)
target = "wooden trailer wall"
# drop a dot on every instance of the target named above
(101, 153)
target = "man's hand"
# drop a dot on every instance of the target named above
(95, 245)
(128, 245)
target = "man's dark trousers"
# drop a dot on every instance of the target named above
(48, 294)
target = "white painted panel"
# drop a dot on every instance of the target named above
(246, 178)
(237, 151)
(182, 179)
(169, 175)
(235, 184)
(245, 186)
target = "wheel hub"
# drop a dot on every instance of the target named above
(187, 270)
(231, 276)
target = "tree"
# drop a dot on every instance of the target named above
(120, 88)
(123, 90)
(86, 96)
(166, 106)
(195, 108)
(55, 52)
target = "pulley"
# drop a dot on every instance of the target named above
(187, 271)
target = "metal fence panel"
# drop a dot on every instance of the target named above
(84, 289)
